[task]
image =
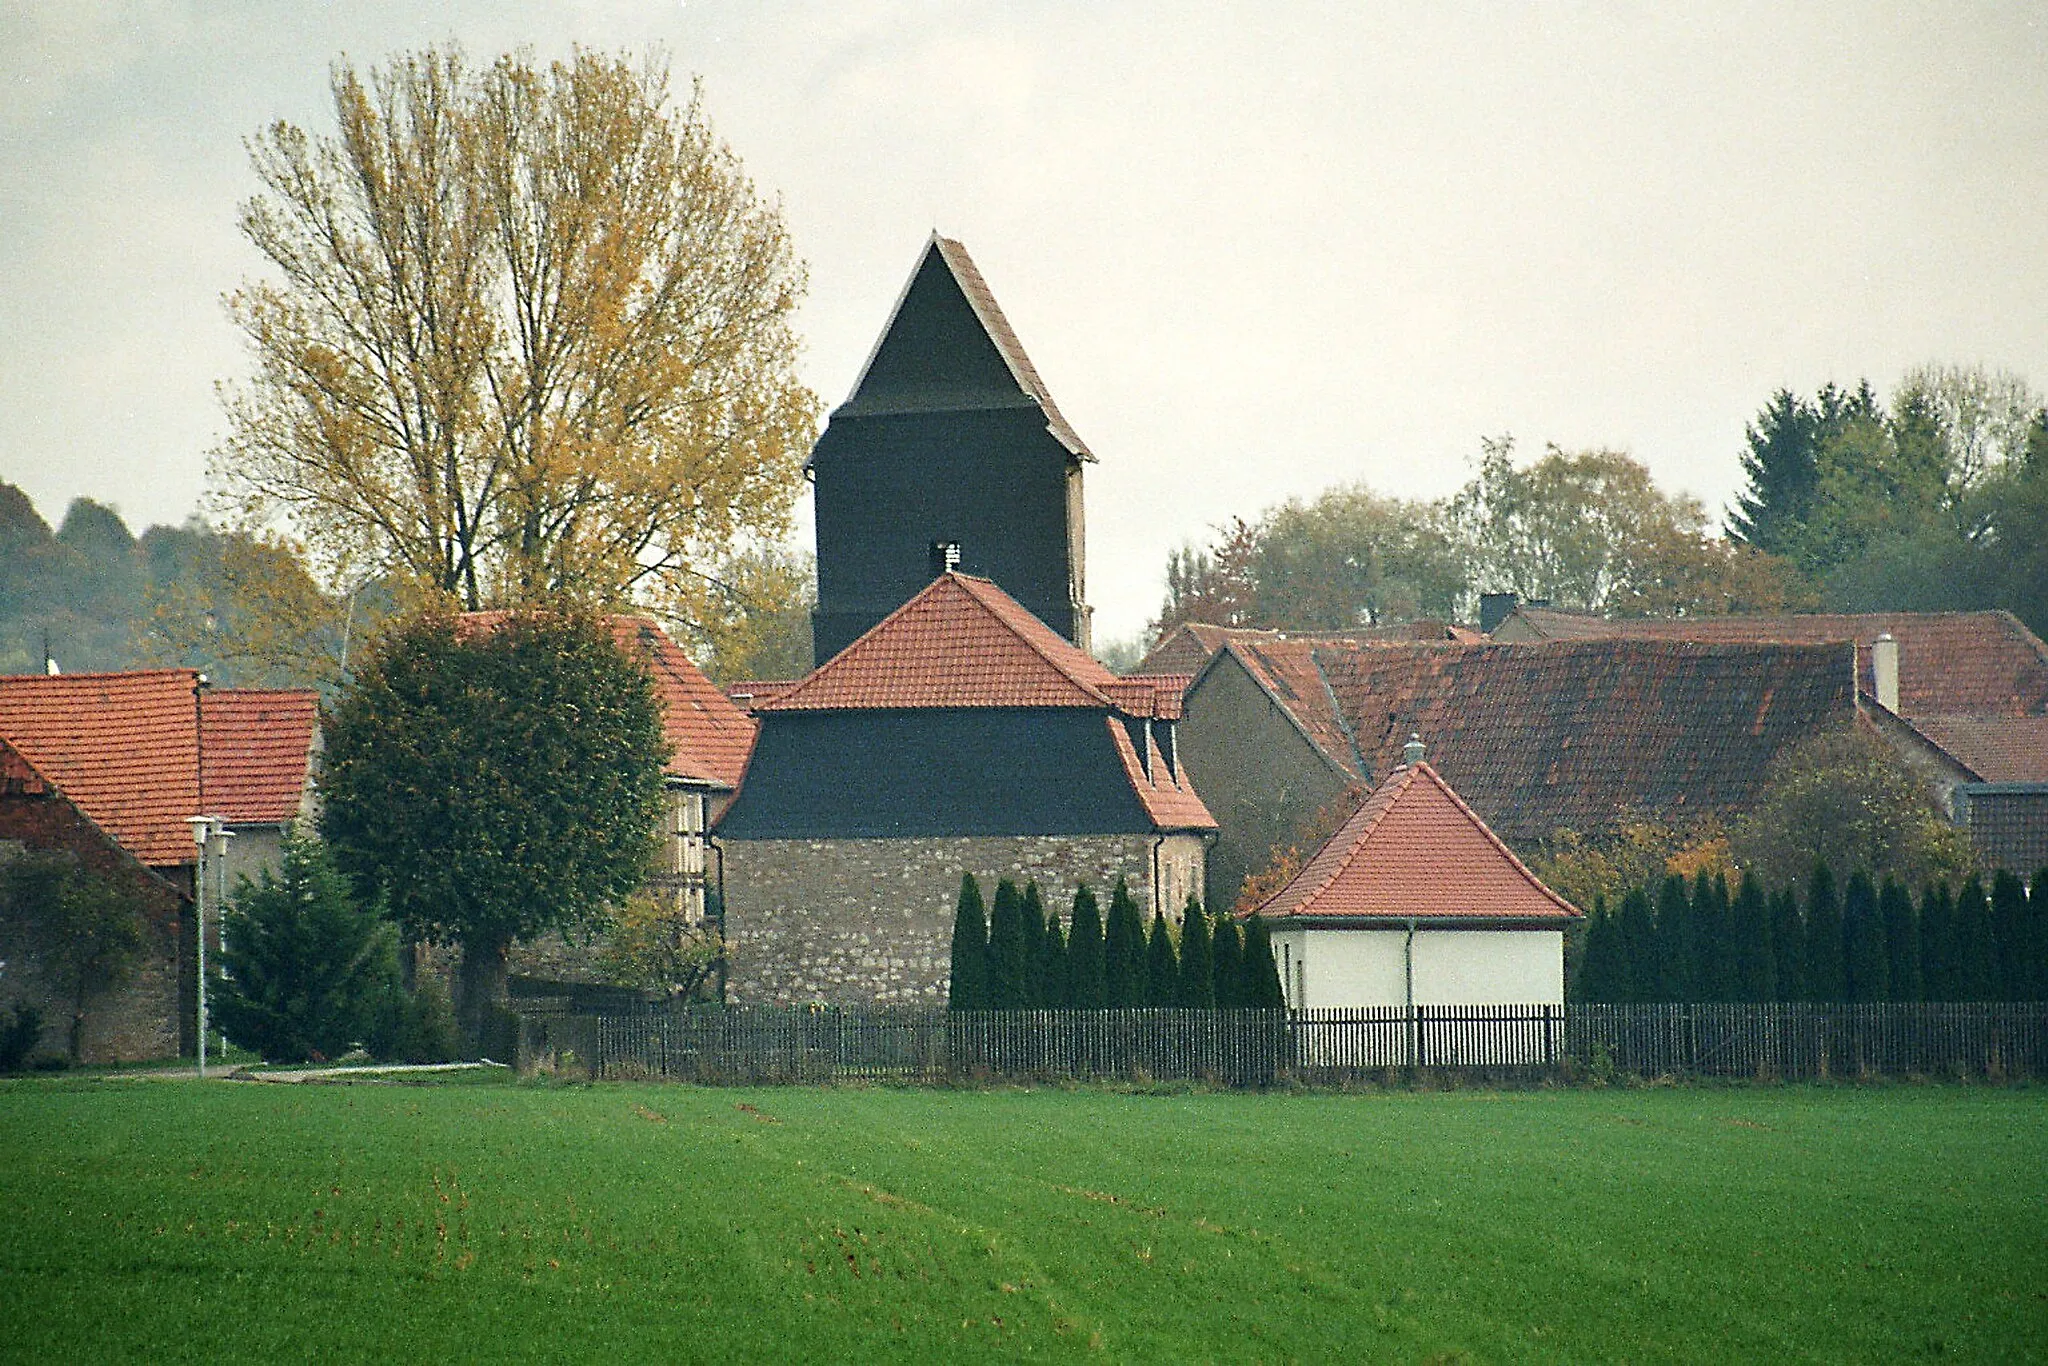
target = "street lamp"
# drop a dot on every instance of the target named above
(205, 831)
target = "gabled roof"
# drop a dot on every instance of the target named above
(1286, 671)
(961, 642)
(1163, 790)
(1579, 733)
(946, 262)
(1950, 663)
(257, 752)
(1998, 749)
(1415, 850)
(125, 749)
(1189, 646)
(710, 736)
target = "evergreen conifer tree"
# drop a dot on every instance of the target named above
(1901, 942)
(1674, 942)
(1976, 968)
(1261, 990)
(1937, 944)
(309, 968)
(1826, 978)
(1228, 947)
(1123, 951)
(1084, 953)
(1788, 947)
(1637, 970)
(1012, 956)
(2008, 936)
(1749, 918)
(1595, 981)
(1032, 909)
(969, 983)
(1865, 966)
(1162, 965)
(1052, 971)
(1197, 959)
(1707, 937)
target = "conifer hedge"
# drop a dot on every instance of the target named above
(1849, 941)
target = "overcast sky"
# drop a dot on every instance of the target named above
(1254, 249)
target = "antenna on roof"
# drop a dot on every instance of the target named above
(1411, 753)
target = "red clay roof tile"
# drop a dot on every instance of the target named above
(1416, 850)
(961, 642)
(257, 752)
(1998, 749)
(1566, 734)
(1950, 663)
(1168, 797)
(122, 747)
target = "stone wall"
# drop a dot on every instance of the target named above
(142, 1017)
(870, 921)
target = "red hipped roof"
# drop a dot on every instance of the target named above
(1416, 851)
(961, 642)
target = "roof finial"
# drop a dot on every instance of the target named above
(1411, 753)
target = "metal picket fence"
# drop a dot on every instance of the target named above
(761, 1044)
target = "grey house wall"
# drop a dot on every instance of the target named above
(1259, 776)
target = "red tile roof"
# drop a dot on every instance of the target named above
(752, 692)
(257, 752)
(1190, 645)
(1168, 797)
(125, 749)
(961, 642)
(710, 736)
(1950, 663)
(1416, 850)
(1158, 695)
(1288, 672)
(1998, 749)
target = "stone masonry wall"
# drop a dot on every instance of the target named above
(137, 1020)
(870, 921)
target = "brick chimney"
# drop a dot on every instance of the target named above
(1884, 671)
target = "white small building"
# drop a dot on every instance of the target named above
(1415, 902)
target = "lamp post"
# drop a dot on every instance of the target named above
(206, 830)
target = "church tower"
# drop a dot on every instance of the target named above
(949, 454)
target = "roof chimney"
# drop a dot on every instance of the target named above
(1884, 671)
(1411, 753)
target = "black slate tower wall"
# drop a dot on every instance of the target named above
(949, 438)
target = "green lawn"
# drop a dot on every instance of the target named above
(163, 1220)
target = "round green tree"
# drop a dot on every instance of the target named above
(492, 779)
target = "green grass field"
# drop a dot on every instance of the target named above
(162, 1220)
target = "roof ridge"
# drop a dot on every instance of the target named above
(1524, 869)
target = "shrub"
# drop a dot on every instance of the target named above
(1123, 951)
(417, 1026)
(1012, 950)
(1197, 960)
(307, 969)
(1228, 964)
(19, 1036)
(1261, 990)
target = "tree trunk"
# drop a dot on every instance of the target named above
(481, 993)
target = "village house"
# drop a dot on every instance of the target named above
(1962, 697)
(1574, 734)
(113, 768)
(1415, 902)
(959, 735)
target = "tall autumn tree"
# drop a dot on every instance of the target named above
(526, 332)
(494, 783)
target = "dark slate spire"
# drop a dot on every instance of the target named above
(949, 441)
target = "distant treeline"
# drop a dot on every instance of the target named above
(1015, 956)
(1680, 941)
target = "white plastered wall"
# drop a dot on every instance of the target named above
(1327, 969)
